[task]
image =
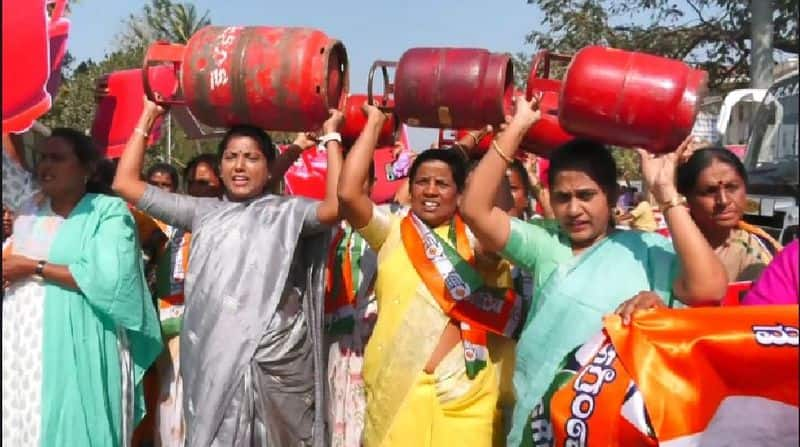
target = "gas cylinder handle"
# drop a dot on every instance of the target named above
(542, 59)
(158, 53)
(388, 86)
(58, 10)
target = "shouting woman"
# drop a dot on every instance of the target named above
(251, 340)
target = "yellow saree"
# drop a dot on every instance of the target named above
(405, 405)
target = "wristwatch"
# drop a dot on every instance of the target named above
(40, 268)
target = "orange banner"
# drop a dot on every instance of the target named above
(687, 377)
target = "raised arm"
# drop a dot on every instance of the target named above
(489, 223)
(174, 209)
(702, 277)
(127, 181)
(19, 185)
(328, 210)
(13, 146)
(282, 163)
(354, 202)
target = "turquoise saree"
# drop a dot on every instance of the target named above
(571, 295)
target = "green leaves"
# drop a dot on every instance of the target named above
(162, 20)
(159, 19)
(710, 34)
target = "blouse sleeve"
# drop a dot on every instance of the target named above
(175, 209)
(19, 185)
(377, 229)
(527, 242)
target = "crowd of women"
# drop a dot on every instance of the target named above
(264, 319)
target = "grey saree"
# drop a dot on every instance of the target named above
(251, 347)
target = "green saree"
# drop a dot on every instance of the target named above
(82, 378)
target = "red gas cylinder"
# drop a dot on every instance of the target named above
(26, 63)
(119, 105)
(306, 177)
(282, 79)
(302, 178)
(630, 99)
(453, 87)
(546, 134)
(355, 120)
(58, 32)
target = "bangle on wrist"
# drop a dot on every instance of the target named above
(141, 132)
(500, 152)
(676, 200)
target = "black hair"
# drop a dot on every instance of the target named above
(88, 155)
(210, 159)
(453, 159)
(689, 172)
(519, 168)
(588, 156)
(164, 168)
(104, 174)
(263, 141)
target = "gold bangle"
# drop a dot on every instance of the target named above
(141, 132)
(672, 203)
(500, 152)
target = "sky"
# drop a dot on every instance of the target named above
(370, 30)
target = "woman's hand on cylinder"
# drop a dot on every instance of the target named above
(658, 171)
(526, 113)
(374, 114)
(153, 108)
(334, 122)
(150, 113)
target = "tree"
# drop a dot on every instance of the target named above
(713, 35)
(163, 20)
(174, 22)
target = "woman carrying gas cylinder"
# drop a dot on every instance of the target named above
(432, 368)
(582, 267)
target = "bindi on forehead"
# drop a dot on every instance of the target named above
(718, 174)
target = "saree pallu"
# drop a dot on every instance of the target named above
(678, 378)
(570, 305)
(83, 373)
